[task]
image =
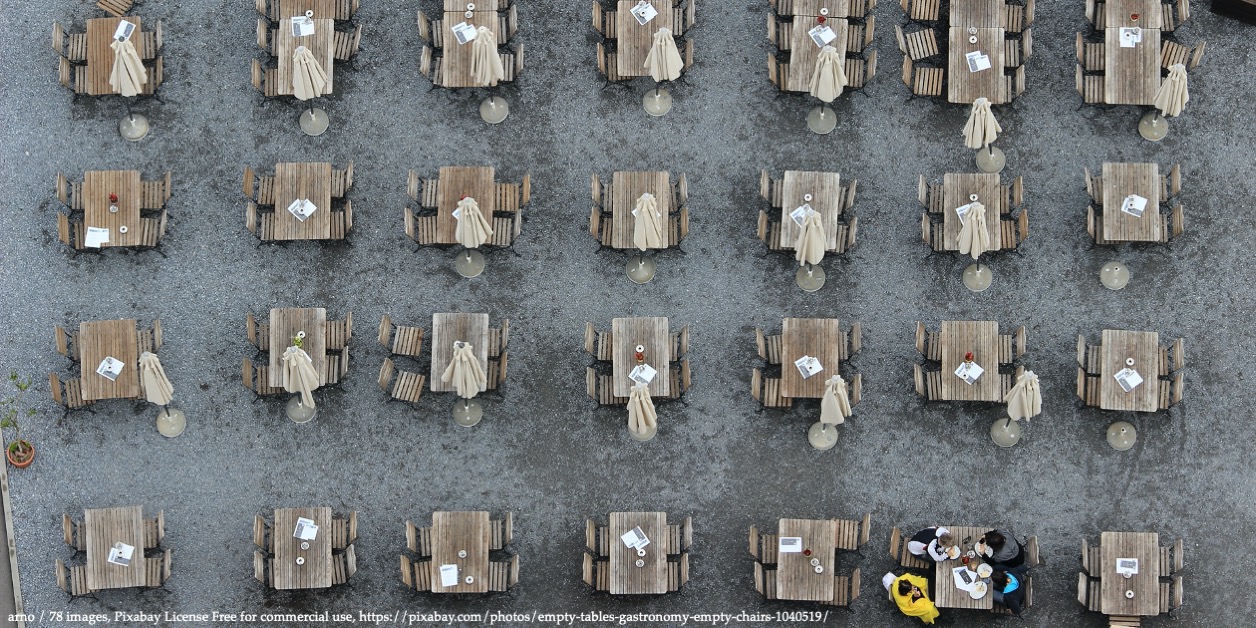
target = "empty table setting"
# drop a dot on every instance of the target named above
(637, 553)
(799, 562)
(453, 554)
(642, 211)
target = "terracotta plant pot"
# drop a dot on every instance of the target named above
(28, 453)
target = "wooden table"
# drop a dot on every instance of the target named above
(455, 183)
(1121, 180)
(626, 188)
(626, 577)
(947, 594)
(450, 328)
(97, 186)
(956, 190)
(1145, 546)
(804, 55)
(316, 572)
(826, 198)
(100, 56)
(310, 181)
(820, 338)
(480, 5)
(104, 527)
(117, 339)
(1118, 13)
(455, 67)
(635, 40)
(460, 531)
(321, 9)
(982, 339)
(977, 13)
(320, 45)
(650, 332)
(285, 322)
(1131, 75)
(796, 578)
(963, 86)
(1144, 347)
(836, 8)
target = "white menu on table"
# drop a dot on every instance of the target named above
(124, 30)
(1128, 378)
(302, 208)
(801, 212)
(1131, 36)
(302, 26)
(822, 35)
(808, 366)
(635, 538)
(1127, 566)
(306, 529)
(969, 372)
(977, 61)
(464, 32)
(789, 545)
(1134, 205)
(96, 236)
(644, 12)
(965, 580)
(642, 374)
(120, 554)
(448, 575)
(110, 368)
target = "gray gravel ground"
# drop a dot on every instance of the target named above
(544, 451)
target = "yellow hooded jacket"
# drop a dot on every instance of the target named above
(923, 607)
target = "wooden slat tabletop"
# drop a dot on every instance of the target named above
(837, 8)
(455, 67)
(321, 8)
(285, 322)
(626, 576)
(650, 332)
(117, 339)
(626, 188)
(97, 185)
(1144, 348)
(956, 190)
(480, 5)
(635, 40)
(1118, 13)
(455, 183)
(104, 527)
(820, 338)
(977, 13)
(310, 181)
(450, 328)
(1145, 546)
(804, 54)
(796, 578)
(100, 56)
(315, 573)
(826, 198)
(320, 45)
(1131, 75)
(982, 339)
(1121, 180)
(947, 594)
(963, 86)
(457, 531)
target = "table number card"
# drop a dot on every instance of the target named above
(1134, 205)
(110, 368)
(1130, 37)
(301, 209)
(448, 575)
(635, 538)
(969, 372)
(302, 26)
(1128, 378)
(120, 554)
(464, 32)
(124, 30)
(306, 529)
(95, 237)
(977, 61)
(789, 545)
(801, 212)
(808, 366)
(644, 12)
(1127, 566)
(822, 35)
(642, 374)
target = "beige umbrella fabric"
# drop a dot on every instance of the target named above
(809, 247)
(829, 78)
(664, 59)
(299, 375)
(473, 229)
(157, 387)
(464, 371)
(641, 415)
(128, 75)
(647, 228)
(308, 78)
(981, 128)
(835, 404)
(974, 239)
(1173, 94)
(486, 64)
(1024, 400)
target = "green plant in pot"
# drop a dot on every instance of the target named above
(20, 452)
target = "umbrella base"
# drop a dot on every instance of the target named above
(171, 422)
(1005, 433)
(1114, 275)
(133, 127)
(822, 120)
(810, 278)
(1122, 435)
(1153, 127)
(991, 160)
(470, 263)
(299, 412)
(657, 102)
(468, 412)
(493, 110)
(644, 436)
(314, 122)
(640, 269)
(977, 277)
(822, 437)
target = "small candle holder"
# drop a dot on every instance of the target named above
(300, 560)
(806, 197)
(1129, 362)
(638, 354)
(806, 552)
(968, 358)
(305, 545)
(973, 198)
(1134, 17)
(113, 209)
(640, 563)
(462, 553)
(113, 198)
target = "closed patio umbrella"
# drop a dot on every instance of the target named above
(642, 419)
(647, 228)
(309, 81)
(128, 76)
(158, 390)
(1170, 100)
(299, 375)
(664, 64)
(473, 229)
(835, 404)
(809, 247)
(829, 78)
(974, 239)
(486, 64)
(980, 130)
(1024, 401)
(464, 372)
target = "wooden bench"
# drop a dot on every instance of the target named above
(116, 8)
(923, 81)
(845, 589)
(1090, 86)
(601, 389)
(72, 580)
(502, 532)
(767, 390)
(765, 581)
(346, 44)
(921, 10)
(71, 398)
(852, 533)
(157, 569)
(408, 386)
(265, 81)
(917, 45)
(418, 540)
(154, 530)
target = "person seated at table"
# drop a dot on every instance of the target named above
(931, 544)
(911, 593)
(1009, 588)
(1000, 549)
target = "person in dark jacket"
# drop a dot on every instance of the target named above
(1001, 550)
(1009, 588)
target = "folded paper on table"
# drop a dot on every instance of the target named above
(1128, 378)
(306, 529)
(120, 554)
(1134, 205)
(642, 374)
(964, 579)
(1127, 566)
(96, 236)
(464, 32)
(962, 212)
(110, 368)
(808, 366)
(822, 35)
(635, 538)
(977, 61)
(1131, 36)
(302, 26)
(644, 12)
(801, 212)
(969, 372)
(789, 545)
(302, 208)
(448, 575)
(124, 30)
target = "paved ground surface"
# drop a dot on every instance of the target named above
(544, 451)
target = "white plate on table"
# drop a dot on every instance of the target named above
(984, 570)
(952, 552)
(978, 591)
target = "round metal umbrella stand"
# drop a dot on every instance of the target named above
(470, 263)
(133, 127)
(299, 412)
(467, 412)
(314, 121)
(640, 268)
(1005, 432)
(1114, 275)
(991, 160)
(1153, 127)
(1122, 435)
(821, 436)
(977, 277)
(494, 109)
(657, 102)
(810, 278)
(171, 422)
(645, 436)
(822, 120)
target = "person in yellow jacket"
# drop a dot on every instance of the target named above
(911, 593)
